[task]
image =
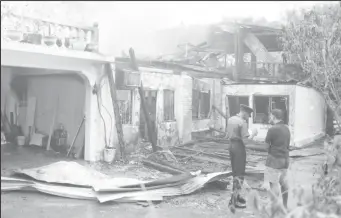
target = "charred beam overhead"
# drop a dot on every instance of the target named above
(252, 27)
(222, 37)
(176, 67)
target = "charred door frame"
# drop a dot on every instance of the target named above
(148, 100)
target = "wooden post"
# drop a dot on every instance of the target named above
(95, 36)
(225, 61)
(236, 54)
(48, 147)
(253, 64)
(118, 122)
(219, 111)
(227, 111)
(241, 35)
(151, 137)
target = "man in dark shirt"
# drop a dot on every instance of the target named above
(277, 163)
(237, 130)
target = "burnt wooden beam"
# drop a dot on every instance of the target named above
(151, 132)
(236, 55)
(267, 34)
(118, 121)
(217, 130)
(219, 111)
(133, 59)
(190, 69)
(241, 51)
(162, 168)
(253, 64)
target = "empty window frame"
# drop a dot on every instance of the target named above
(168, 105)
(201, 104)
(234, 103)
(263, 105)
(125, 101)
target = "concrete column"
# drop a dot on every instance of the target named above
(91, 128)
(93, 141)
(185, 109)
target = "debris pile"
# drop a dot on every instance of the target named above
(72, 180)
(212, 155)
(206, 155)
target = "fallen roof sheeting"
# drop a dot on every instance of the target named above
(64, 172)
(56, 179)
(190, 186)
(72, 173)
(53, 189)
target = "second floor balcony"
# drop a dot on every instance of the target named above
(22, 29)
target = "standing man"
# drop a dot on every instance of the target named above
(237, 130)
(277, 163)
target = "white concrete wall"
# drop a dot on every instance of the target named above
(216, 120)
(310, 116)
(258, 89)
(171, 132)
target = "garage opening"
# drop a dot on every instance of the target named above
(43, 108)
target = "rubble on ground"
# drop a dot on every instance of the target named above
(63, 179)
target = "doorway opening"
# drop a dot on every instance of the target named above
(150, 97)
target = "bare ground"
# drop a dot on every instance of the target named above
(208, 202)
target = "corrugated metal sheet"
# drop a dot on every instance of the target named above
(190, 186)
(52, 189)
(12, 184)
(173, 186)
(64, 172)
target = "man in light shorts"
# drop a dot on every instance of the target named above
(277, 163)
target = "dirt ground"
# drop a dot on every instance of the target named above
(208, 202)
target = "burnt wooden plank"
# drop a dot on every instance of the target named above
(147, 119)
(118, 122)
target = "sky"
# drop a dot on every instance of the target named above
(169, 13)
(134, 23)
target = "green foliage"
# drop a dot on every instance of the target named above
(313, 39)
(325, 202)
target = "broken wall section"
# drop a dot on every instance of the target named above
(266, 90)
(173, 96)
(310, 116)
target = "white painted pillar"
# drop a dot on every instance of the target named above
(93, 142)
(185, 109)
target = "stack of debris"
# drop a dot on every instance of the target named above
(72, 180)
(212, 155)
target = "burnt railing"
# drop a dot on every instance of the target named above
(262, 70)
(30, 30)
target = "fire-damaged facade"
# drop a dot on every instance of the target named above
(184, 95)
(183, 98)
(179, 102)
(304, 108)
